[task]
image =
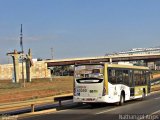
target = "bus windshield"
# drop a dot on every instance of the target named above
(89, 71)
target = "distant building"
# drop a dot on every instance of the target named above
(134, 51)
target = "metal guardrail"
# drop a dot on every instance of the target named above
(154, 87)
(31, 103)
(22, 104)
(62, 98)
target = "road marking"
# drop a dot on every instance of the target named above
(107, 110)
(155, 112)
(157, 98)
(39, 113)
(132, 104)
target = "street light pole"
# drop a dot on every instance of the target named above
(21, 44)
(52, 53)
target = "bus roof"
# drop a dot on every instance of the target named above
(127, 66)
(117, 65)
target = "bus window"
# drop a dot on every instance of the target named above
(126, 77)
(119, 76)
(139, 77)
(131, 82)
(143, 77)
(147, 77)
(136, 77)
(86, 75)
(96, 71)
(89, 71)
(112, 76)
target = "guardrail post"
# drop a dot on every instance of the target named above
(60, 103)
(32, 107)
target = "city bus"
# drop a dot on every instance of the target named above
(110, 83)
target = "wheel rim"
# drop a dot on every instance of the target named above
(143, 95)
(122, 99)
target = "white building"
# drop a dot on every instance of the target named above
(138, 51)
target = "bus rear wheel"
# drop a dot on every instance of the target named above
(122, 99)
(121, 102)
(143, 95)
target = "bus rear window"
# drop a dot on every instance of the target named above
(89, 71)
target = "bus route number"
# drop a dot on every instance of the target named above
(81, 90)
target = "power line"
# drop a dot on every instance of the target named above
(21, 45)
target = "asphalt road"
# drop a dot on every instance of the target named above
(148, 109)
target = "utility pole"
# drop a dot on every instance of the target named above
(52, 53)
(21, 45)
(8, 60)
(15, 55)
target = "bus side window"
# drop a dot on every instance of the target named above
(126, 77)
(144, 78)
(141, 80)
(131, 82)
(119, 76)
(112, 76)
(136, 77)
(147, 77)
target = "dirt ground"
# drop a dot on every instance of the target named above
(38, 88)
(155, 74)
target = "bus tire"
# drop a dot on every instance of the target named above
(143, 95)
(122, 99)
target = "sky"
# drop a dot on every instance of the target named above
(78, 28)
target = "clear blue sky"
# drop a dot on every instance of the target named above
(78, 28)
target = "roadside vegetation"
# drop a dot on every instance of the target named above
(38, 88)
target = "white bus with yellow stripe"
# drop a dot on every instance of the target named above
(110, 83)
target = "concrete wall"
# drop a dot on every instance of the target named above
(6, 71)
(38, 70)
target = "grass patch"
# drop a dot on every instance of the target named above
(38, 88)
(9, 85)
